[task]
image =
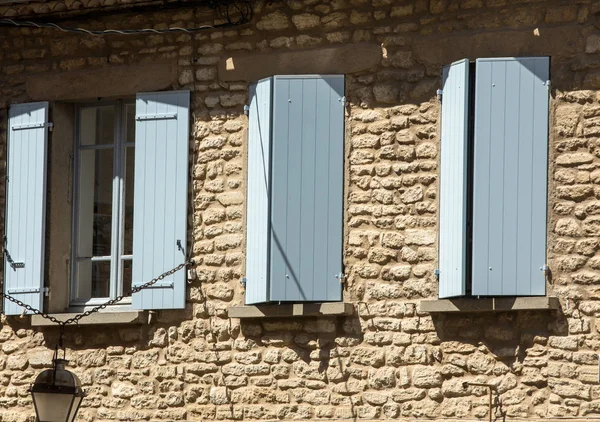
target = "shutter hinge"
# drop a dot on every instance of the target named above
(243, 282)
(548, 85)
(157, 116)
(545, 269)
(161, 285)
(27, 290)
(436, 274)
(343, 100)
(341, 277)
(50, 126)
(33, 126)
(439, 94)
(246, 109)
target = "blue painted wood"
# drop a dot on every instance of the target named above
(257, 210)
(25, 205)
(453, 180)
(307, 188)
(510, 176)
(160, 197)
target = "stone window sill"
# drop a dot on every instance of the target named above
(503, 304)
(100, 318)
(332, 309)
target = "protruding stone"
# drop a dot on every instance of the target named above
(427, 377)
(275, 21)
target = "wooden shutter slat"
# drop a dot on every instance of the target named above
(26, 205)
(453, 180)
(257, 212)
(160, 197)
(307, 188)
(510, 176)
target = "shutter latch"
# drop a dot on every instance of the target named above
(14, 265)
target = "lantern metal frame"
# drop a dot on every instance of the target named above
(60, 381)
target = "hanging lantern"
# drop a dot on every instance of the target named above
(57, 394)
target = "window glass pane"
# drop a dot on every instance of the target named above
(97, 125)
(95, 203)
(130, 123)
(128, 204)
(93, 279)
(127, 271)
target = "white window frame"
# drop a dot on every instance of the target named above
(116, 257)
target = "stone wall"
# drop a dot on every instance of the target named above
(389, 360)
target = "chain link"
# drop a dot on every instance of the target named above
(76, 318)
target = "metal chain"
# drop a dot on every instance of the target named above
(76, 318)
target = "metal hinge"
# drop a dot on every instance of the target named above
(343, 100)
(45, 290)
(246, 109)
(157, 116)
(545, 269)
(243, 282)
(50, 126)
(436, 273)
(548, 85)
(341, 277)
(439, 94)
(161, 285)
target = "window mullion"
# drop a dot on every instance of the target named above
(116, 208)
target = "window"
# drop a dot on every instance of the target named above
(295, 189)
(493, 177)
(103, 235)
(130, 202)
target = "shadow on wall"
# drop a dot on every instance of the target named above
(508, 336)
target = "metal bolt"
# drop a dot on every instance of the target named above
(490, 268)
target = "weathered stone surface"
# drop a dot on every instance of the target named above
(389, 360)
(425, 377)
(573, 159)
(273, 22)
(306, 21)
(124, 390)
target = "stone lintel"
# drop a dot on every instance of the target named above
(498, 304)
(102, 82)
(99, 318)
(292, 310)
(343, 59)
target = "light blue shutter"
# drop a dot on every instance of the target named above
(453, 180)
(257, 213)
(25, 205)
(160, 197)
(510, 176)
(307, 188)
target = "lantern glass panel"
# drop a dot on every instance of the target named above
(74, 407)
(52, 407)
